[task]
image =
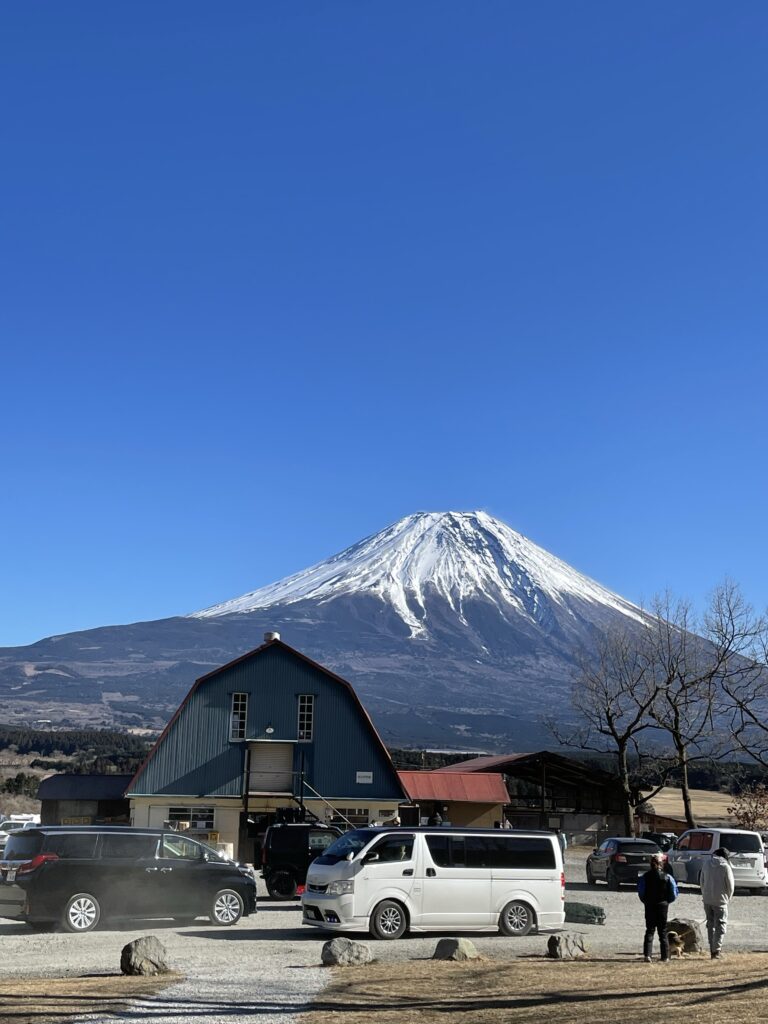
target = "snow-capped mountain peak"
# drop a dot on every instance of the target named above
(455, 556)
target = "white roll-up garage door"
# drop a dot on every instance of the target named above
(271, 768)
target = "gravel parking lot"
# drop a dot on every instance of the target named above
(269, 963)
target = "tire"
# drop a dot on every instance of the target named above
(613, 883)
(516, 919)
(388, 920)
(82, 913)
(591, 880)
(227, 908)
(281, 885)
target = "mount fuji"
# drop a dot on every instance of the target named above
(455, 630)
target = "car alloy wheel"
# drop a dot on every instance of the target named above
(82, 913)
(516, 919)
(388, 920)
(227, 907)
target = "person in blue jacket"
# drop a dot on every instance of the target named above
(656, 890)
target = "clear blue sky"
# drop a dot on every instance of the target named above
(276, 274)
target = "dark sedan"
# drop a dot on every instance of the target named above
(620, 859)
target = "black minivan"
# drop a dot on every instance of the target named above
(77, 876)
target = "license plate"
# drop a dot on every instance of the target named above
(11, 875)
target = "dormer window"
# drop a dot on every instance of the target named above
(306, 717)
(239, 716)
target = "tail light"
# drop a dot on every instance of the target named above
(37, 861)
(300, 890)
(562, 885)
(619, 858)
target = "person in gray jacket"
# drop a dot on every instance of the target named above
(717, 885)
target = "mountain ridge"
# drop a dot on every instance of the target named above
(453, 628)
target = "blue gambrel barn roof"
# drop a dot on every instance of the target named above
(195, 757)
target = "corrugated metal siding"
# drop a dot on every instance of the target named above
(196, 757)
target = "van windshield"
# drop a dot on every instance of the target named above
(352, 842)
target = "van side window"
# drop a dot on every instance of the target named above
(439, 851)
(479, 851)
(521, 852)
(72, 846)
(321, 840)
(700, 841)
(390, 848)
(180, 848)
(122, 845)
(684, 843)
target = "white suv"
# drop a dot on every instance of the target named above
(698, 844)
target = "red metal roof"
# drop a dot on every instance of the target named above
(485, 788)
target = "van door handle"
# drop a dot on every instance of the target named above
(408, 871)
(431, 873)
(151, 869)
(164, 871)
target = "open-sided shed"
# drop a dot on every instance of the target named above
(547, 790)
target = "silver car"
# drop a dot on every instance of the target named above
(698, 844)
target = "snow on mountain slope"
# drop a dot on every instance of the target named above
(456, 556)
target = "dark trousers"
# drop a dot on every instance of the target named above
(656, 921)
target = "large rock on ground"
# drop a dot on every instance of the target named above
(456, 949)
(566, 946)
(584, 913)
(690, 932)
(146, 956)
(345, 953)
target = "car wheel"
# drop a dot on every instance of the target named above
(613, 882)
(388, 920)
(227, 907)
(281, 885)
(82, 913)
(590, 877)
(516, 918)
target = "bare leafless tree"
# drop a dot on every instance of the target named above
(613, 691)
(734, 627)
(704, 677)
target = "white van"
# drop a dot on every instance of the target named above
(698, 844)
(390, 880)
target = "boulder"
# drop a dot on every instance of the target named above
(584, 913)
(566, 946)
(146, 956)
(456, 949)
(345, 953)
(690, 934)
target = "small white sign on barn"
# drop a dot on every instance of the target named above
(364, 778)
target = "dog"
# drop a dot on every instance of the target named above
(676, 944)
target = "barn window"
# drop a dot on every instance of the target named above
(197, 818)
(306, 716)
(239, 715)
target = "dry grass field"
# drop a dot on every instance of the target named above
(534, 989)
(708, 807)
(45, 1000)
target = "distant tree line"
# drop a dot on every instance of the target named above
(674, 693)
(22, 784)
(77, 751)
(413, 760)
